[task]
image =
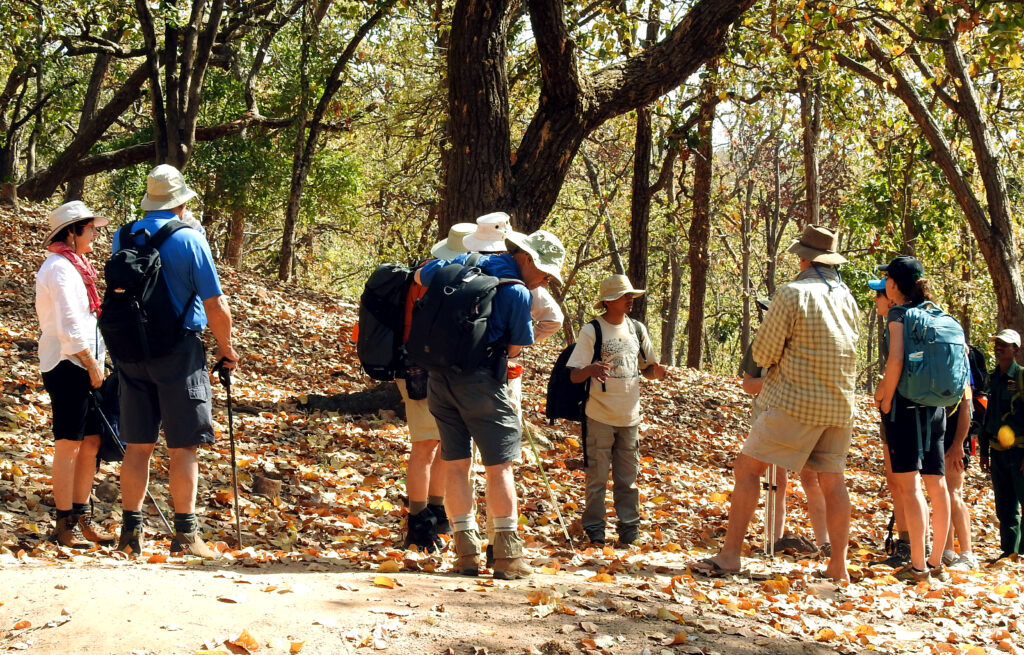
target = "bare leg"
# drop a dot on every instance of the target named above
(135, 475)
(939, 495)
(960, 514)
(837, 507)
(747, 472)
(458, 499)
(65, 458)
(501, 490)
(897, 499)
(184, 479)
(908, 487)
(815, 505)
(419, 474)
(85, 468)
(437, 476)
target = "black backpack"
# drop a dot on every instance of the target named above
(137, 320)
(381, 317)
(979, 386)
(449, 323)
(107, 401)
(567, 399)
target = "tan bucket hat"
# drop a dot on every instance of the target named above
(452, 246)
(544, 248)
(614, 287)
(817, 244)
(69, 213)
(165, 189)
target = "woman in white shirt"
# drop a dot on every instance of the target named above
(71, 355)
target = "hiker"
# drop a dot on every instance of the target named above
(425, 474)
(808, 341)
(172, 391)
(611, 437)
(1001, 440)
(956, 448)
(914, 458)
(71, 353)
(753, 381)
(476, 405)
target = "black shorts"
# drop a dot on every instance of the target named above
(172, 391)
(911, 447)
(74, 415)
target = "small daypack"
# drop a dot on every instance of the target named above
(137, 318)
(381, 314)
(106, 397)
(935, 368)
(449, 324)
(567, 399)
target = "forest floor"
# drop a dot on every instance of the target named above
(322, 570)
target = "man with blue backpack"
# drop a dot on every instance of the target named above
(926, 371)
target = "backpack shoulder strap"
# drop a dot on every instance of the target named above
(169, 228)
(597, 340)
(124, 235)
(638, 333)
(473, 258)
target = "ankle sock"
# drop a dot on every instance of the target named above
(79, 508)
(417, 506)
(184, 523)
(130, 520)
(463, 522)
(64, 513)
(435, 500)
(504, 524)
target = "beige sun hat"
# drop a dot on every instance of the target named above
(614, 287)
(1007, 336)
(817, 244)
(165, 189)
(544, 248)
(68, 213)
(490, 233)
(452, 246)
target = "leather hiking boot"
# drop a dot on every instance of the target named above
(508, 557)
(65, 533)
(900, 558)
(421, 530)
(443, 525)
(94, 532)
(467, 551)
(629, 535)
(130, 541)
(189, 543)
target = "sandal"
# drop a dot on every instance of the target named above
(709, 568)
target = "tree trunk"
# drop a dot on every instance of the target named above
(606, 219)
(700, 226)
(671, 324)
(76, 185)
(810, 120)
(236, 238)
(640, 211)
(748, 291)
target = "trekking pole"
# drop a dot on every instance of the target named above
(544, 477)
(117, 440)
(769, 485)
(224, 374)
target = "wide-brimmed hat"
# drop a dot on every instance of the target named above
(904, 270)
(817, 244)
(1007, 336)
(452, 246)
(69, 213)
(544, 248)
(490, 233)
(614, 287)
(165, 189)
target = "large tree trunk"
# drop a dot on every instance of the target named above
(700, 226)
(640, 211)
(810, 121)
(76, 185)
(236, 238)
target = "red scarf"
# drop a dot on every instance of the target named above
(84, 268)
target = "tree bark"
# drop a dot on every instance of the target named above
(640, 211)
(76, 185)
(700, 225)
(810, 121)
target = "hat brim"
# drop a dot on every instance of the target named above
(633, 292)
(442, 251)
(519, 240)
(483, 245)
(98, 221)
(816, 256)
(996, 337)
(877, 285)
(174, 201)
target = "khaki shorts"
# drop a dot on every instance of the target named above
(777, 438)
(422, 426)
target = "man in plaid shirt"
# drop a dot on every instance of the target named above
(808, 341)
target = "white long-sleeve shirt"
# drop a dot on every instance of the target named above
(62, 305)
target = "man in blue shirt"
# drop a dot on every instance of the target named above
(477, 406)
(173, 389)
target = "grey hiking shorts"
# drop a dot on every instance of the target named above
(475, 407)
(172, 390)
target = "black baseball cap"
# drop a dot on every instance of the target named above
(903, 270)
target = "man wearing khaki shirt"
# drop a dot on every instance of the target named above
(809, 343)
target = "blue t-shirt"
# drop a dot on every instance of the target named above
(510, 320)
(187, 267)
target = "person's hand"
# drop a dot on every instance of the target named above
(954, 462)
(95, 373)
(229, 354)
(660, 372)
(599, 371)
(884, 404)
(983, 460)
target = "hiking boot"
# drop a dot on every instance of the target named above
(508, 557)
(966, 562)
(489, 556)
(65, 533)
(94, 532)
(596, 536)
(794, 543)
(130, 541)
(421, 530)
(899, 559)
(629, 535)
(190, 543)
(911, 575)
(443, 526)
(467, 552)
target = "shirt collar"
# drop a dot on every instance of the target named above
(161, 214)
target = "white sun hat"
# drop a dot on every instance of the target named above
(165, 189)
(69, 213)
(491, 230)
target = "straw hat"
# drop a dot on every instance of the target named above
(544, 248)
(452, 246)
(614, 287)
(490, 233)
(69, 213)
(817, 244)
(165, 189)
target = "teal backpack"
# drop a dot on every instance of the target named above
(935, 367)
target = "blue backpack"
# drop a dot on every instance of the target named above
(935, 367)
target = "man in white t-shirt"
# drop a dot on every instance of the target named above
(610, 436)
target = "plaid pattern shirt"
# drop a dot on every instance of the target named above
(808, 341)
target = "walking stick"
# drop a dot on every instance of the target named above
(544, 477)
(117, 440)
(770, 487)
(224, 374)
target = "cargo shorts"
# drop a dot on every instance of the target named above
(475, 407)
